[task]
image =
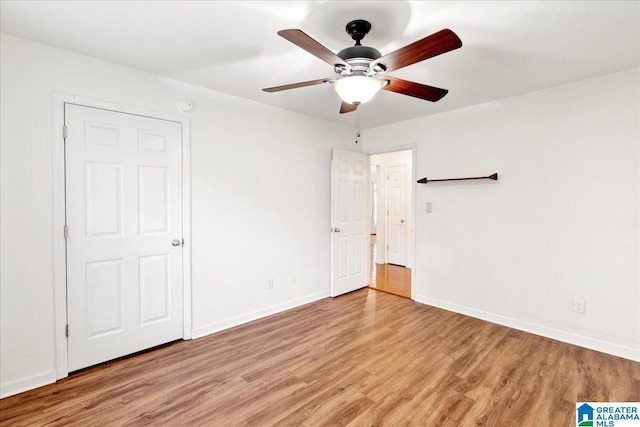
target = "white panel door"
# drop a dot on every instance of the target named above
(349, 232)
(396, 216)
(124, 208)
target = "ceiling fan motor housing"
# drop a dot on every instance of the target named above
(359, 57)
(359, 51)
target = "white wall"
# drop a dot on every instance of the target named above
(260, 199)
(562, 222)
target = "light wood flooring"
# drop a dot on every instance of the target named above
(363, 359)
(390, 278)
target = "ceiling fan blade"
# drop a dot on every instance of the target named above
(300, 84)
(301, 39)
(347, 108)
(416, 90)
(437, 43)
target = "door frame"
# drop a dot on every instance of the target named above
(59, 214)
(414, 163)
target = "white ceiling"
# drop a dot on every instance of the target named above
(509, 47)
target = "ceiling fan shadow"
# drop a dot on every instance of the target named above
(216, 57)
(327, 21)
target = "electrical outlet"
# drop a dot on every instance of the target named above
(270, 283)
(429, 207)
(578, 305)
(294, 277)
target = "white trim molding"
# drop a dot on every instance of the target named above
(59, 251)
(27, 383)
(249, 317)
(545, 331)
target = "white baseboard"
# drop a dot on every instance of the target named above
(27, 383)
(545, 331)
(245, 318)
(49, 377)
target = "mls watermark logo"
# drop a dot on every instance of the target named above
(608, 414)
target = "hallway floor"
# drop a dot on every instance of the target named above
(390, 278)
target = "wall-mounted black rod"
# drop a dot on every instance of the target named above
(425, 180)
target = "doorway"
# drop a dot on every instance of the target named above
(391, 207)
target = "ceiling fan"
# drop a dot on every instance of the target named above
(362, 68)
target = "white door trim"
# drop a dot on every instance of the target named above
(59, 252)
(414, 164)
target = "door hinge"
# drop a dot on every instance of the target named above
(387, 247)
(66, 330)
(66, 231)
(64, 132)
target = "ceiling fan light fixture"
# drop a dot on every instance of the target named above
(357, 89)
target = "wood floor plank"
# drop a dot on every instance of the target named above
(363, 359)
(390, 278)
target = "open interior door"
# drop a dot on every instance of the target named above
(349, 227)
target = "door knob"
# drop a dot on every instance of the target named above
(402, 221)
(335, 230)
(176, 242)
